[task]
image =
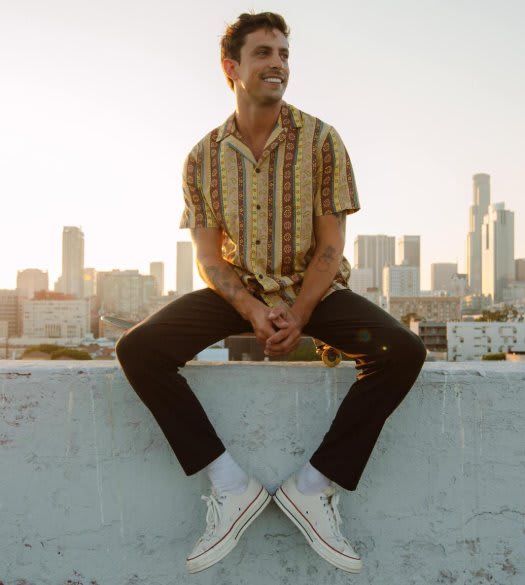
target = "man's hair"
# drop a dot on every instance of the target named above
(235, 34)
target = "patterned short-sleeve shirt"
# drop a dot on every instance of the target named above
(266, 208)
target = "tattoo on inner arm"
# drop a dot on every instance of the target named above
(224, 281)
(325, 259)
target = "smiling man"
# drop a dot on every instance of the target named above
(266, 199)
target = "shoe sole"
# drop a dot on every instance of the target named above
(214, 555)
(286, 505)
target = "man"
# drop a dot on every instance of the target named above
(267, 194)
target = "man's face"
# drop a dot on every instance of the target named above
(262, 74)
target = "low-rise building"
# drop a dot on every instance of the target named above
(474, 339)
(432, 333)
(442, 308)
(55, 319)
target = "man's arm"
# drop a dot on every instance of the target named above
(222, 278)
(330, 242)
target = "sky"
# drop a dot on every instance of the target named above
(101, 100)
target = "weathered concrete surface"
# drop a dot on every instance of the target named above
(91, 494)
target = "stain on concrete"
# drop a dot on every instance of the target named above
(4, 440)
(14, 375)
(483, 575)
(472, 546)
(446, 578)
(508, 567)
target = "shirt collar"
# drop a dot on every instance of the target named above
(289, 117)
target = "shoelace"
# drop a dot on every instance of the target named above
(213, 514)
(331, 501)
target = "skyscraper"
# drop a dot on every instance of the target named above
(409, 254)
(478, 210)
(184, 268)
(72, 278)
(375, 252)
(125, 293)
(156, 269)
(441, 274)
(401, 281)
(497, 256)
(409, 251)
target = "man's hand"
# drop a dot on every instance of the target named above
(263, 326)
(289, 325)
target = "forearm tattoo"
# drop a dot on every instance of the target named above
(325, 259)
(223, 281)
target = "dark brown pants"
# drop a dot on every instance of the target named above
(388, 358)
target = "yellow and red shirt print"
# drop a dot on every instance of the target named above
(266, 208)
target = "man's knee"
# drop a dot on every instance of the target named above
(132, 345)
(408, 348)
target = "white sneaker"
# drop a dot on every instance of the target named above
(317, 517)
(228, 516)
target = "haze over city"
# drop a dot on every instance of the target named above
(101, 102)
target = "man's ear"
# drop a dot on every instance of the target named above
(229, 66)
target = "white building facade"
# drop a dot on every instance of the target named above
(470, 340)
(56, 319)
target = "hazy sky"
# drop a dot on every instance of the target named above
(100, 101)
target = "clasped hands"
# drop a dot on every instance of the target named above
(278, 329)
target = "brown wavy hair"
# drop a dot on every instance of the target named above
(235, 34)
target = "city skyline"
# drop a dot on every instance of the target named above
(101, 105)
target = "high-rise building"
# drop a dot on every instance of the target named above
(72, 279)
(361, 279)
(156, 269)
(409, 251)
(519, 265)
(184, 268)
(478, 210)
(401, 281)
(90, 282)
(125, 293)
(441, 274)
(497, 236)
(374, 252)
(10, 311)
(409, 254)
(31, 280)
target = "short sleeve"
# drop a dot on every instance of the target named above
(197, 212)
(336, 189)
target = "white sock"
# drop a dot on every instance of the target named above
(226, 476)
(309, 481)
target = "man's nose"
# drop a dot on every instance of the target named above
(277, 61)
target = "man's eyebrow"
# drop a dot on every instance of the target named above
(269, 47)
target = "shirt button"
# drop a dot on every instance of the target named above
(257, 170)
(260, 275)
(258, 207)
(257, 241)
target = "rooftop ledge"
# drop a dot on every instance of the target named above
(91, 494)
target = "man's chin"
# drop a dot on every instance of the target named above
(271, 99)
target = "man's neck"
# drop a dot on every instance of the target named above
(255, 123)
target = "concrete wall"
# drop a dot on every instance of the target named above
(91, 494)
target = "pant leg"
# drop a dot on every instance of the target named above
(151, 354)
(389, 358)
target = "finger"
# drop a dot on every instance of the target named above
(278, 337)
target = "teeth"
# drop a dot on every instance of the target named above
(273, 79)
